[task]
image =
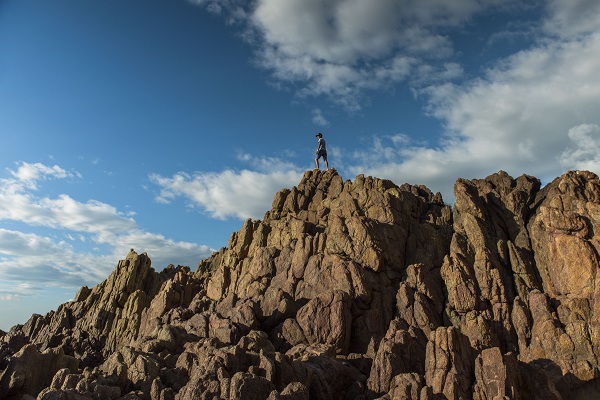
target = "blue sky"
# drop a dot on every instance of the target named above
(160, 125)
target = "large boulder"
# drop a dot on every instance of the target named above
(29, 371)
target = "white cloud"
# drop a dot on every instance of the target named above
(318, 118)
(8, 296)
(36, 171)
(162, 251)
(13, 243)
(241, 194)
(235, 8)
(266, 164)
(11, 292)
(572, 18)
(96, 236)
(30, 257)
(333, 31)
(28, 174)
(347, 31)
(326, 46)
(19, 203)
(342, 48)
(535, 113)
(584, 150)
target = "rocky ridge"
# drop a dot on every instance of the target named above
(345, 290)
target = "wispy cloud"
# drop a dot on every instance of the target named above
(11, 292)
(83, 242)
(29, 174)
(318, 118)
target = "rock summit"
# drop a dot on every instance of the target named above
(345, 290)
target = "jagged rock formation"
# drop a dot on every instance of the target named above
(345, 290)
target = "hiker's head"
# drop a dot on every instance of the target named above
(319, 135)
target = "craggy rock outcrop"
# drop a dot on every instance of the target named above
(345, 290)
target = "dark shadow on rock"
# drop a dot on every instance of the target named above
(543, 379)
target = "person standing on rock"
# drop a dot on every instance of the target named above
(321, 151)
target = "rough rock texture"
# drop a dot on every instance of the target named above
(345, 290)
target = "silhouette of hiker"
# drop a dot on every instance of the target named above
(321, 151)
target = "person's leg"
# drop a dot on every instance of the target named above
(325, 159)
(317, 162)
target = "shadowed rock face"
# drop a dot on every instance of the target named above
(345, 290)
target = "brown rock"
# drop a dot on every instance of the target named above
(449, 363)
(327, 319)
(222, 329)
(490, 260)
(346, 290)
(29, 371)
(292, 332)
(406, 386)
(497, 376)
(293, 391)
(246, 386)
(398, 353)
(132, 368)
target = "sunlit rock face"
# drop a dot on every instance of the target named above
(345, 290)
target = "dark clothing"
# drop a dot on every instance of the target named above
(322, 153)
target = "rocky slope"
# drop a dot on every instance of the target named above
(345, 290)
